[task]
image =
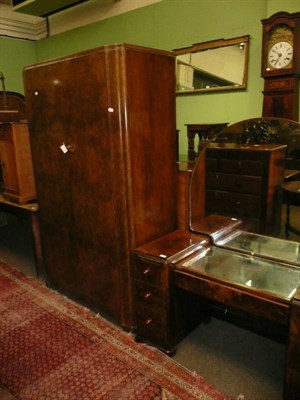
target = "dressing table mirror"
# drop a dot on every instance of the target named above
(216, 65)
(242, 164)
(248, 269)
(239, 173)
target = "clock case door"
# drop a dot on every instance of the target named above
(100, 124)
(281, 98)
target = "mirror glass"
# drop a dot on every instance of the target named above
(216, 65)
(256, 132)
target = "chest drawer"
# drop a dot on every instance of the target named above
(243, 167)
(234, 183)
(236, 162)
(235, 204)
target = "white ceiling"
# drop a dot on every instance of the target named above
(83, 14)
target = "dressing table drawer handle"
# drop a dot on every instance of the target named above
(146, 271)
(148, 321)
(147, 295)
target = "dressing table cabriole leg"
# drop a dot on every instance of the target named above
(292, 378)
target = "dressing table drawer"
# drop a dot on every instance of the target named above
(150, 272)
(163, 316)
(148, 295)
(151, 325)
(150, 287)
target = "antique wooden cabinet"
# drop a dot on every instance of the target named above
(243, 182)
(16, 163)
(100, 122)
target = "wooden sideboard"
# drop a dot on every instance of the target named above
(16, 163)
(205, 132)
(12, 107)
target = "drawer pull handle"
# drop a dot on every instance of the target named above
(146, 271)
(148, 321)
(238, 203)
(148, 295)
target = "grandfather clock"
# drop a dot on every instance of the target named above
(281, 65)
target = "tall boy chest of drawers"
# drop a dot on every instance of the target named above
(243, 182)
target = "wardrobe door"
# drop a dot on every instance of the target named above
(71, 149)
(152, 142)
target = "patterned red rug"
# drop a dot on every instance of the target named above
(54, 349)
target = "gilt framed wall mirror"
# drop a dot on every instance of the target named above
(217, 65)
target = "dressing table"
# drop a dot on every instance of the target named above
(224, 265)
(221, 264)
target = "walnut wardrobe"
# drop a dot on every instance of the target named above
(103, 140)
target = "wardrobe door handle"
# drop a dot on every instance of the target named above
(65, 148)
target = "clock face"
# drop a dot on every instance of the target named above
(280, 55)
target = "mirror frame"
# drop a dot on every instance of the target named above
(214, 44)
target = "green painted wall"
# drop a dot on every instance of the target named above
(14, 54)
(167, 25)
